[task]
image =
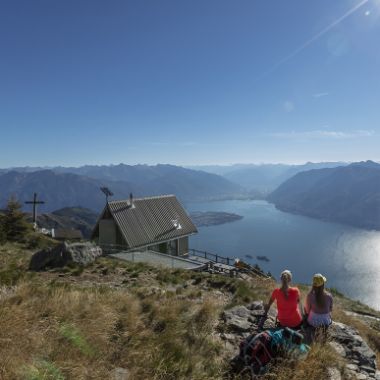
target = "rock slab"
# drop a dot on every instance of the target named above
(64, 254)
(350, 345)
(240, 321)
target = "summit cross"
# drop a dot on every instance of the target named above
(34, 202)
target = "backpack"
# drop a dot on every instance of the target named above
(257, 351)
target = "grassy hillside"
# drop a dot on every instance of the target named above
(80, 323)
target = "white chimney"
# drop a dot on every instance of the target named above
(131, 203)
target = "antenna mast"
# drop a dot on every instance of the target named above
(107, 192)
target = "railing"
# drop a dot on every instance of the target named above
(212, 257)
(228, 261)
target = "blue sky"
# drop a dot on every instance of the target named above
(188, 82)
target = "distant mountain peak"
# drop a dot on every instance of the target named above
(367, 164)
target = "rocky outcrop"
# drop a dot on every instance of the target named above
(241, 321)
(65, 254)
(361, 360)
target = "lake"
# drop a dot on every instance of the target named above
(349, 257)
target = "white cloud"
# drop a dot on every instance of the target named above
(321, 134)
(288, 106)
(320, 94)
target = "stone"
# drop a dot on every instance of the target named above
(367, 369)
(357, 351)
(333, 374)
(228, 337)
(361, 376)
(338, 348)
(236, 319)
(365, 355)
(120, 374)
(257, 305)
(350, 375)
(377, 375)
(231, 348)
(352, 367)
(239, 325)
(240, 311)
(64, 254)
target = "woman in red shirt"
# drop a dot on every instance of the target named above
(288, 302)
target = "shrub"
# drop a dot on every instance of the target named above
(37, 241)
(3, 236)
(43, 370)
(74, 336)
(14, 223)
(11, 275)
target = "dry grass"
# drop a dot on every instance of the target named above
(65, 325)
(84, 334)
(159, 324)
(315, 367)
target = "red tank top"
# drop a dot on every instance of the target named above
(288, 311)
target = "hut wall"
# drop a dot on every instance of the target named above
(183, 248)
(107, 232)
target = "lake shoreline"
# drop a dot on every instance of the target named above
(300, 243)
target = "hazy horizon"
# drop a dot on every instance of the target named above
(182, 165)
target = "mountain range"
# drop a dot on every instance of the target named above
(70, 187)
(263, 178)
(347, 194)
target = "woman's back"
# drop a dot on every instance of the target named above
(287, 306)
(287, 299)
(319, 303)
(318, 307)
(313, 305)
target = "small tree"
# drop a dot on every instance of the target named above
(14, 223)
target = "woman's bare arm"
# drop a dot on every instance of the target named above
(302, 311)
(268, 305)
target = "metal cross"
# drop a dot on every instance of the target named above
(34, 202)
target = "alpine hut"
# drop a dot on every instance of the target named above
(157, 223)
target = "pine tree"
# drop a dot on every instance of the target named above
(14, 223)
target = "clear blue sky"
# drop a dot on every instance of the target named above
(188, 82)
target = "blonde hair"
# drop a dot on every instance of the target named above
(288, 273)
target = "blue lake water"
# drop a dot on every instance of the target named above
(347, 256)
